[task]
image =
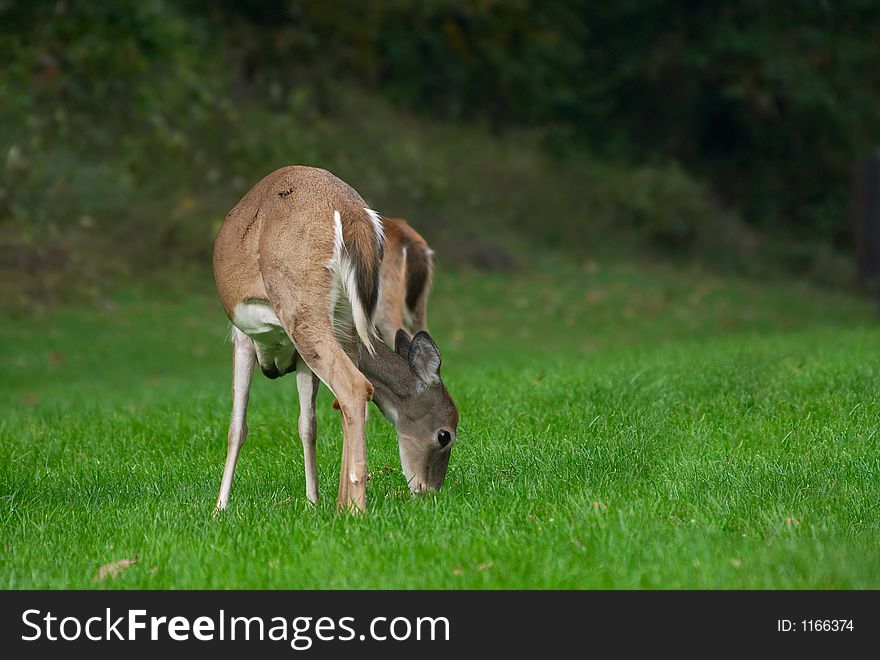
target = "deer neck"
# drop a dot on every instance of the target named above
(392, 379)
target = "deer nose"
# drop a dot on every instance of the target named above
(421, 487)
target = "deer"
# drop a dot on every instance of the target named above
(297, 265)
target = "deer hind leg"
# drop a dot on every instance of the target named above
(243, 358)
(307, 387)
(305, 316)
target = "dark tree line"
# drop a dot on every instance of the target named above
(770, 102)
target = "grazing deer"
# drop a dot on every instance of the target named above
(405, 276)
(297, 266)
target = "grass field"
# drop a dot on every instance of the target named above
(622, 427)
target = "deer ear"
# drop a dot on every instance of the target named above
(402, 343)
(424, 358)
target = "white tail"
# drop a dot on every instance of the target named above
(343, 267)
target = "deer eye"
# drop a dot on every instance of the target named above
(444, 437)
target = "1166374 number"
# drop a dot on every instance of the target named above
(815, 625)
(826, 625)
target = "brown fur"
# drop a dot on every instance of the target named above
(406, 277)
(287, 218)
(367, 253)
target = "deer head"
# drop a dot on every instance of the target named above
(412, 396)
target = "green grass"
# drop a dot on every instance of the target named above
(622, 427)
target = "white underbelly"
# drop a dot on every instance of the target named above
(255, 318)
(258, 321)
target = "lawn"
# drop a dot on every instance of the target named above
(623, 426)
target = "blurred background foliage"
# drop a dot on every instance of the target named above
(719, 132)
